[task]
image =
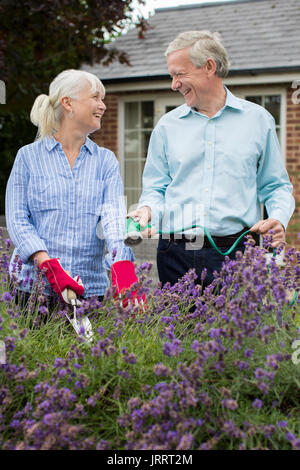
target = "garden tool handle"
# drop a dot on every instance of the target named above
(70, 293)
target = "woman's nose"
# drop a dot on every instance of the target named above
(102, 105)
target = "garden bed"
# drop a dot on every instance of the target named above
(197, 370)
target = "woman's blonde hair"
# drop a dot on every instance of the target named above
(46, 111)
(202, 45)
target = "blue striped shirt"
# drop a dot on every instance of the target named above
(69, 213)
(216, 171)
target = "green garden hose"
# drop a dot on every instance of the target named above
(133, 236)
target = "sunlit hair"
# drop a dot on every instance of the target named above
(202, 45)
(46, 111)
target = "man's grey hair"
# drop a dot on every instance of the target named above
(202, 45)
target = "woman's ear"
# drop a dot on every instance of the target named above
(65, 102)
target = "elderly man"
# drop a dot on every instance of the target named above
(216, 152)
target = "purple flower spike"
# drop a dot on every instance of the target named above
(257, 403)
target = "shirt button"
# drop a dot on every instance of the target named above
(209, 167)
(209, 143)
(206, 189)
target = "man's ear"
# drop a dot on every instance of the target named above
(211, 66)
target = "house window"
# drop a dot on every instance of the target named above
(272, 103)
(138, 125)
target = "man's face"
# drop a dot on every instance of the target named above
(187, 78)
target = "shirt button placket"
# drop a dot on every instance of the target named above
(208, 165)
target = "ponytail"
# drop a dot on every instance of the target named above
(43, 116)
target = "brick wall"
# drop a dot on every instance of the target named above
(108, 134)
(293, 163)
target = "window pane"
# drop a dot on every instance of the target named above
(147, 114)
(169, 108)
(132, 179)
(139, 122)
(132, 197)
(278, 133)
(255, 99)
(145, 142)
(132, 148)
(131, 115)
(272, 104)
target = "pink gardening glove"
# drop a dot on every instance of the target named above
(123, 277)
(60, 280)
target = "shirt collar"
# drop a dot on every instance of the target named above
(51, 143)
(230, 102)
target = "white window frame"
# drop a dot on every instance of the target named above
(159, 99)
(259, 91)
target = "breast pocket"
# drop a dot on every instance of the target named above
(238, 164)
(91, 196)
(44, 193)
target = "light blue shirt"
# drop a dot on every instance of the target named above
(68, 213)
(216, 171)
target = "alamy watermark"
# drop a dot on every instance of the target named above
(2, 92)
(2, 353)
(296, 354)
(184, 222)
(296, 93)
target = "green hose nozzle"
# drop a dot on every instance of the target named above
(133, 234)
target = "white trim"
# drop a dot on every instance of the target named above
(162, 101)
(121, 138)
(264, 79)
(283, 112)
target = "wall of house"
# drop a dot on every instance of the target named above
(293, 164)
(108, 137)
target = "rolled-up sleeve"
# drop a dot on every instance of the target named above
(21, 231)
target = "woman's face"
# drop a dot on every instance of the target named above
(88, 109)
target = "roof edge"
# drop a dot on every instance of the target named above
(204, 5)
(258, 71)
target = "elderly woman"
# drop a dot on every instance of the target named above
(65, 198)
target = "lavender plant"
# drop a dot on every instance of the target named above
(200, 369)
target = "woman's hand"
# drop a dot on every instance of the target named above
(39, 257)
(60, 280)
(123, 277)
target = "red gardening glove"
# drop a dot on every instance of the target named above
(123, 277)
(60, 280)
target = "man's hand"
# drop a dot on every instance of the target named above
(143, 217)
(262, 227)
